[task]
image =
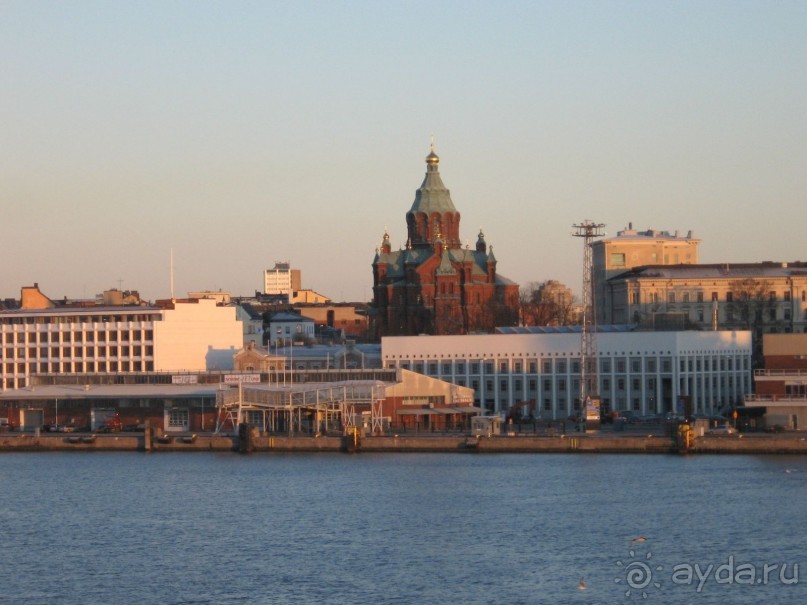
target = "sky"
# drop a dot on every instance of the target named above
(238, 134)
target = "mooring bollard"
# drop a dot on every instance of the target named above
(244, 438)
(147, 435)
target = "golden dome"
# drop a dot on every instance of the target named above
(432, 158)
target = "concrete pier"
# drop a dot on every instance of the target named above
(577, 443)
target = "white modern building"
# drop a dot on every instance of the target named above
(194, 335)
(646, 372)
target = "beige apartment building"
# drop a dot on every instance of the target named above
(767, 298)
(630, 249)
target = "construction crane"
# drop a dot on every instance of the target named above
(589, 398)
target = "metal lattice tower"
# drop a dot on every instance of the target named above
(588, 230)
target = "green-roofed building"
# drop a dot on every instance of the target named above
(435, 285)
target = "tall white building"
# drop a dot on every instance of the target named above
(646, 372)
(193, 335)
(282, 279)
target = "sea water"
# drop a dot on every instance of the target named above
(201, 528)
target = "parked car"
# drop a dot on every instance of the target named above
(723, 429)
(650, 418)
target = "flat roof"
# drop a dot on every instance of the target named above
(93, 310)
(110, 391)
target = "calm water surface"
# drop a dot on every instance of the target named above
(410, 528)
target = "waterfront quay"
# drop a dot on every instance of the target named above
(252, 441)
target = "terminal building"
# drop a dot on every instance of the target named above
(84, 366)
(644, 372)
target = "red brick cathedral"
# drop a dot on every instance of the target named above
(435, 286)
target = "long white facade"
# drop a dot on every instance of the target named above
(646, 372)
(192, 336)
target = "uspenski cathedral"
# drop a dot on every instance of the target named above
(435, 285)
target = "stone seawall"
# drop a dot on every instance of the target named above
(751, 444)
(592, 443)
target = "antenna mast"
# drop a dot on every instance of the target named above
(588, 230)
(172, 275)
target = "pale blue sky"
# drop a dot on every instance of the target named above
(241, 133)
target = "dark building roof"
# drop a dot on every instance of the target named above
(715, 271)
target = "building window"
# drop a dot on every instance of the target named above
(700, 297)
(714, 296)
(671, 297)
(617, 259)
(787, 296)
(686, 297)
(178, 418)
(772, 296)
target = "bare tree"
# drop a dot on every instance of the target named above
(547, 303)
(749, 301)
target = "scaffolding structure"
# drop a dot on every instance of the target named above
(588, 230)
(300, 408)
